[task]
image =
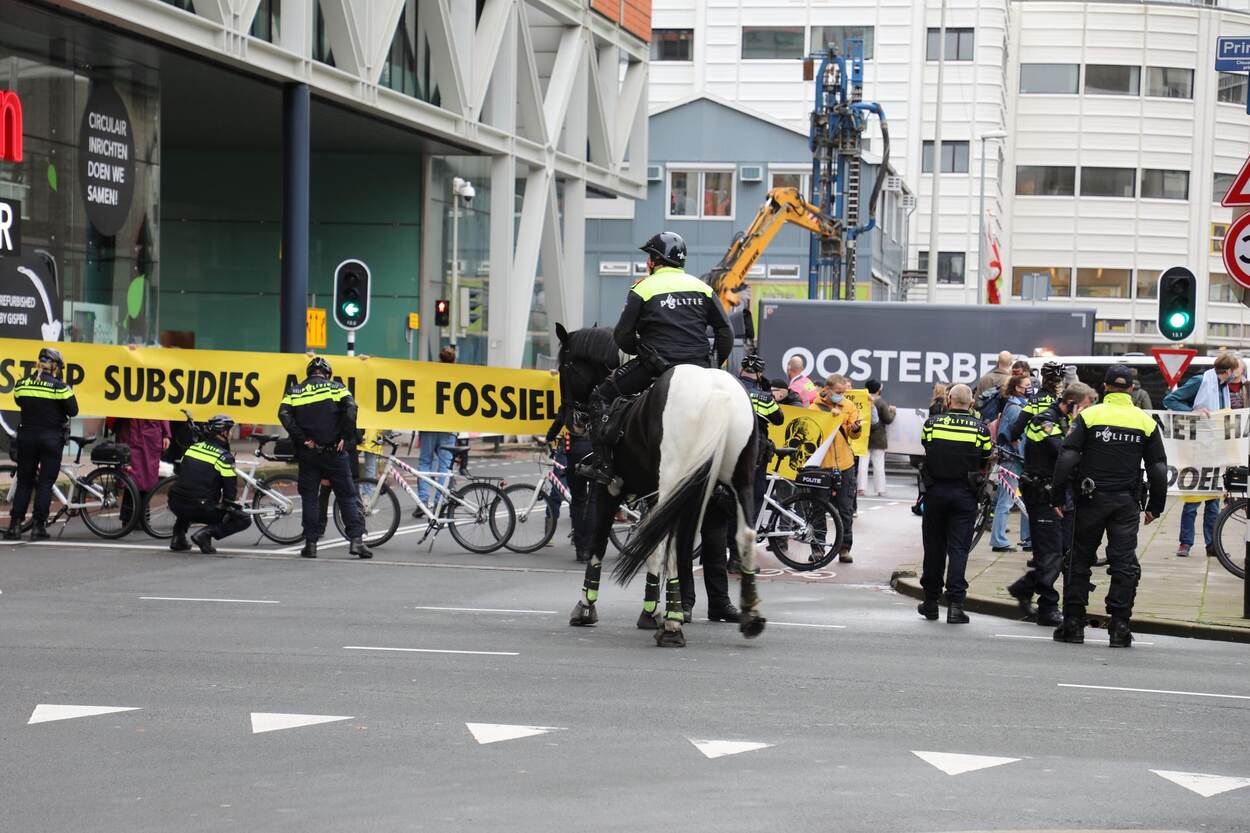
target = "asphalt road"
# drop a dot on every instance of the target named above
(441, 691)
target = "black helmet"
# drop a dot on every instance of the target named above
(47, 354)
(1052, 373)
(668, 248)
(319, 367)
(220, 424)
(753, 363)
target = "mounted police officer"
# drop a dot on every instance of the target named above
(47, 405)
(205, 490)
(1043, 440)
(319, 414)
(1105, 451)
(664, 323)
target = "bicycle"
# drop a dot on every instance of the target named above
(1230, 526)
(106, 498)
(987, 496)
(478, 507)
(529, 499)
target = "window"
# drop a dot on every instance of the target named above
(672, 44)
(1222, 290)
(1220, 185)
(1049, 78)
(772, 43)
(950, 266)
(1231, 88)
(1108, 182)
(1045, 181)
(268, 19)
(954, 158)
(1147, 327)
(1170, 82)
(1104, 283)
(1110, 79)
(695, 194)
(1111, 325)
(1147, 284)
(1221, 330)
(837, 36)
(1218, 232)
(959, 45)
(786, 179)
(1059, 278)
(1164, 185)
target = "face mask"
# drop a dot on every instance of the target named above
(835, 398)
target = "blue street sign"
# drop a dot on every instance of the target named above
(1232, 55)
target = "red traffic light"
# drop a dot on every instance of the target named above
(442, 312)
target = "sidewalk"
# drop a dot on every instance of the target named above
(1194, 597)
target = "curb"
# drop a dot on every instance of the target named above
(907, 583)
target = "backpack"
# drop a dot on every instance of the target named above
(989, 405)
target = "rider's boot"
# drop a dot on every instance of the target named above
(598, 466)
(39, 531)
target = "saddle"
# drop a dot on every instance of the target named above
(611, 427)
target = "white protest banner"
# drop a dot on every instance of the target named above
(1200, 448)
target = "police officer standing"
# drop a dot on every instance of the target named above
(957, 449)
(1043, 440)
(205, 490)
(1105, 451)
(319, 414)
(47, 404)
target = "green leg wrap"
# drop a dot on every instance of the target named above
(591, 585)
(672, 605)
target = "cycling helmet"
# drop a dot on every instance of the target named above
(51, 356)
(319, 367)
(667, 248)
(1052, 373)
(753, 363)
(220, 424)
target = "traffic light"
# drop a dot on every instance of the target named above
(1178, 299)
(472, 308)
(351, 294)
(442, 313)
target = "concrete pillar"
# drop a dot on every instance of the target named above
(296, 172)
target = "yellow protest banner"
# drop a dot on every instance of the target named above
(155, 383)
(807, 429)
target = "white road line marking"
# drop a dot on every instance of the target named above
(185, 599)
(1047, 638)
(277, 721)
(343, 542)
(805, 625)
(721, 748)
(432, 651)
(48, 712)
(495, 732)
(144, 547)
(1156, 691)
(484, 610)
(1203, 784)
(955, 763)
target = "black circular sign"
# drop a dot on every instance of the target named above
(106, 160)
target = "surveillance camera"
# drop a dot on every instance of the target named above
(468, 193)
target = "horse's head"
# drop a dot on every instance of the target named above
(586, 358)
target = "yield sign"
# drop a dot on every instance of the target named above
(1172, 362)
(1237, 192)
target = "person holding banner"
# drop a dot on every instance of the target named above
(47, 405)
(205, 490)
(840, 457)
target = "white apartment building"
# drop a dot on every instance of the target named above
(1120, 137)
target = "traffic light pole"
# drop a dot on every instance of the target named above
(455, 267)
(351, 342)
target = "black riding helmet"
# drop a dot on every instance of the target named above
(51, 356)
(753, 363)
(1052, 373)
(220, 424)
(319, 367)
(668, 248)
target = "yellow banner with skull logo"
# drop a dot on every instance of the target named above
(808, 429)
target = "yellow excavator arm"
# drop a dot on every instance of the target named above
(781, 206)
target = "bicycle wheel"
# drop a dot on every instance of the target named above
(157, 518)
(380, 509)
(985, 519)
(1230, 537)
(278, 510)
(632, 513)
(534, 526)
(109, 500)
(810, 540)
(481, 517)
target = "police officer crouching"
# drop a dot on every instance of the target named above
(205, 490)
(1104, 452)
(957, 449)
(47, 404)
(319, 414)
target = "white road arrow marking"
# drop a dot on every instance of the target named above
(953, 763)
(721, 748)
(276, 721)
(1203, 784)
(46, 712)
(495, 732)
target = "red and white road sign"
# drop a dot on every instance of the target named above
(1237, 250)
(1237, 192)
(1173, 361)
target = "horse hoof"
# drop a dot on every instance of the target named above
(646, 621)
(670, 639)
(583, 615)
(752, 626)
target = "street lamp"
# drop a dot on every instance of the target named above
(461, 189)
(981, 283)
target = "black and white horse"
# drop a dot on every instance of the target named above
(692, 431)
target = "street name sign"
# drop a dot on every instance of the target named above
(1232, 55)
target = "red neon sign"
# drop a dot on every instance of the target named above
(10, 126)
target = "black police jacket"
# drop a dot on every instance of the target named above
(206, 473)
(46, 403)
(321, 410)
(1108, 444)
(1040, 402)
(956, 444)
(1043, 440)
(669, 313)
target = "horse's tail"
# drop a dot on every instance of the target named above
(680, 514)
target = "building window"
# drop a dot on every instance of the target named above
(1170, 82)
(1045, 181)
(1112, 325)
(1112, 79)
(1147, 327)
(787, 179)
(1059, 79)
(268, 19)
(700, 194)
(1108, 182)
(1221, 330)
(1147, 284)
(837, 37)
(1218, 232)
(1059, 278)
(1231, 88)
(1164, 185)
(1222, 290)
(772, 43)
(1220, 185)
(959, 45)
(950, 266)
(954, 158)
(672, 44)
(1104, 283)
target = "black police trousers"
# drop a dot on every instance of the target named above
(316, 465)
(1052, 536)
(950, 511)
(1117, 515)
(718, 527)
(38, 463)
(222, 521)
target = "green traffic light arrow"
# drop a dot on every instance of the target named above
(351, 309)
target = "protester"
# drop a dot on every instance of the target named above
(996, 377)
(434, 453)
(882, 415)
(840, 457)
(799, 382)
(1014, 394)
(784, 395)
(148, 440)
(1139, 396)
(938, 405)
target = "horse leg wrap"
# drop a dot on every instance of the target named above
(672, 602)
(651, 599)
(590, 589)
